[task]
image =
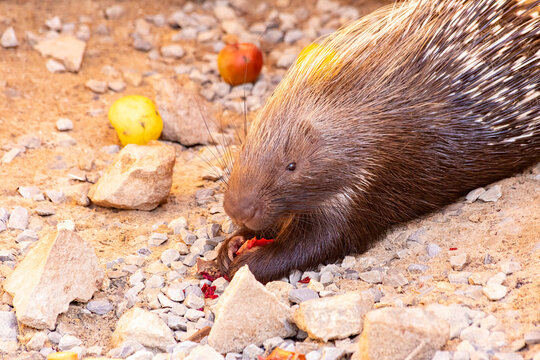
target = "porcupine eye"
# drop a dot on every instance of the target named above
(291, 166)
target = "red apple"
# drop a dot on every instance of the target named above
(240, 63)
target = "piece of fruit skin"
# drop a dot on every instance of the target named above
(240, 63)
(135, 119)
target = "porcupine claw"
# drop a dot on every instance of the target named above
(229, 248)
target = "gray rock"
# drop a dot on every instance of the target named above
(27, 235)
(6, 255)
(433, 249)
(461, 277)
(174, 51)
(18, 220)
(169, 255)
(473, 195)
(417, 268)
(68, 342)
(183, 122)
(8, 326)
(394, 278)
(509, 267)
(57, 197)
(99, 87)
(458, 262)
(286, 59)
(100, 307)
(190, 259)
(492, 194)
(117, 85)
(157, 239)
(177, 322)
(293, 36)
(273, 36)
(477, 336)
(298, 296)
(9, 39)
(194, 301)
(372, 277)
(155, 282)
(194, 314)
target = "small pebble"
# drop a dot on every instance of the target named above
(297, 296)
(459, 261)
(64, 124)
(494, 291)
(175, 51)
(99, 87)
(372, 277)
(9, 39)
(117, 85)
(473, 195)
(433, 250)
(18, 220)
(492, 194)
(100, 307)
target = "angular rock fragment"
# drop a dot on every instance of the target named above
(247, 314)
(57, 270)
(187, 118)
(66, 48)
(401, 333)
(139, 178)
(143, 327)
(335, 317)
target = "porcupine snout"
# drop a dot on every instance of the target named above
(244, 209)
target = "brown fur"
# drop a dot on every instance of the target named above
(408, 118)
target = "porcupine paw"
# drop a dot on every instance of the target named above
(227, 252)
(265, 263)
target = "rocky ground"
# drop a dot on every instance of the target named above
(463, 281)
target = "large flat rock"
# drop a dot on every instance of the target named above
(59, 269)
(139, 178)
(247, 313)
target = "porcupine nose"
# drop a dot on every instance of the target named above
(241, 209)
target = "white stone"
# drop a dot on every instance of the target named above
(64, 124)
(246, 298)
(143, 327)
(9, 39)
(57, 270)
(334, 317)
(139, 178)
(65, 48)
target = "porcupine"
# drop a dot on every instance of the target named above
(391, 117)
